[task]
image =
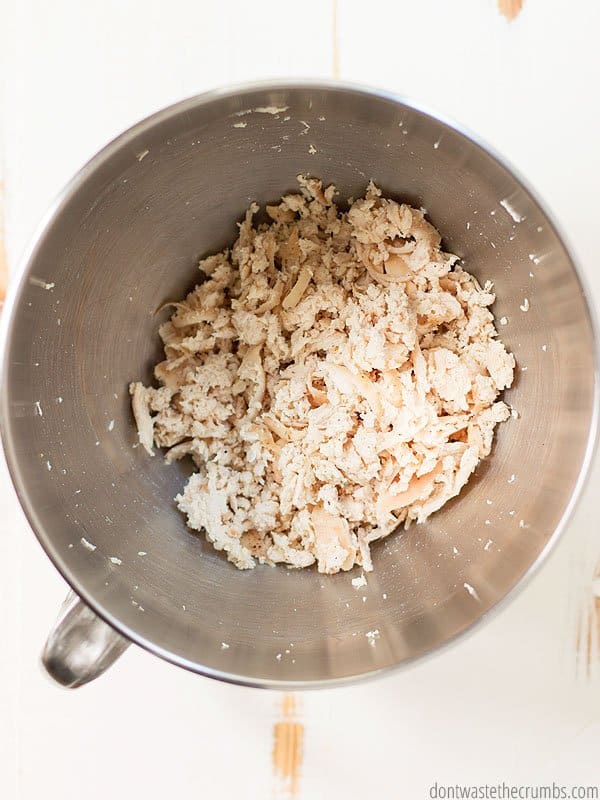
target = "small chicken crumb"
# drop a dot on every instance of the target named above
(334, 376)
(87, 545)
(42, 284)
(358, 582)
(524, 305)
(472, 591)
(372, 636)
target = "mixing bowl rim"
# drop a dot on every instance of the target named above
(18, 284)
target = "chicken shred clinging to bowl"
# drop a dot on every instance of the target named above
(334, 375)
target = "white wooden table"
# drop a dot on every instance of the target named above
(519, 700)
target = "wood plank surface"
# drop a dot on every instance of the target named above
(520, 699)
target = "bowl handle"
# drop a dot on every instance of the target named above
(81, 646)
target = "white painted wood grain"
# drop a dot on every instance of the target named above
(508, 703)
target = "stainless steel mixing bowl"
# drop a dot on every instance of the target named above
(124, 237)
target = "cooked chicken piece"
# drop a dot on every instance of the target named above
(334, 374)
(334, 549)
(140, 404)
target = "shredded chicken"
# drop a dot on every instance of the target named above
(334, 375)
